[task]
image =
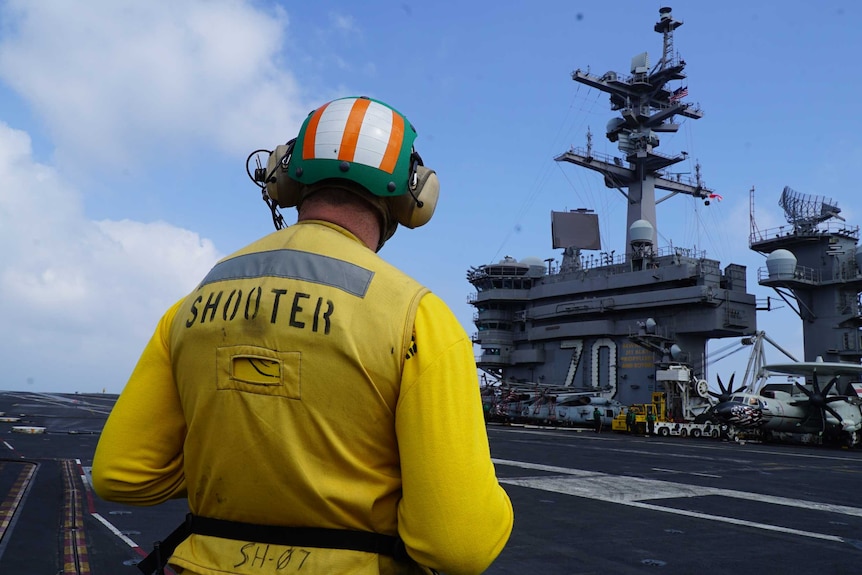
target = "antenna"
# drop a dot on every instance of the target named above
(804, 211)
(753, 231)
(666, 25)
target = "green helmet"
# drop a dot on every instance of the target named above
(359, 144)
(357, 139)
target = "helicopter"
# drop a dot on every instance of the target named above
(822, 412)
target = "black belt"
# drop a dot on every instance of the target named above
(317, 537)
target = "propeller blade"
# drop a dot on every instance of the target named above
(804, 390)
(830, 385)
(720, 384)
(833, 412)
(817, 397)
(726, 392)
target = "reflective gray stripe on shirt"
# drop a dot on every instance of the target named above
(296, 265)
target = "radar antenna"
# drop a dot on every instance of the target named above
(804, 211)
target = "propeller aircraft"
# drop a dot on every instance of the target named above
(794, 408)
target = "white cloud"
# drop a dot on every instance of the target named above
(121, 79)
(343, 22)
(79, 298)
(117, 83)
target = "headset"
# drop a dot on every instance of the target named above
(296, 168)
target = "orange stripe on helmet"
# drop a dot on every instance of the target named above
(393, 147)
(311, 133)
(347, 150)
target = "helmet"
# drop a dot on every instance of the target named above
(356, 142)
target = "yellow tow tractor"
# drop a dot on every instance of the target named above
(641, 410)
(664, 426)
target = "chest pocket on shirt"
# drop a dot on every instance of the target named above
(259, 370)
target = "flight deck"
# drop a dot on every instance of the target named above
(585, 502)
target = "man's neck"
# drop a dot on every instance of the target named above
(361, 223)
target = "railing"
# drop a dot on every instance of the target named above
(796, 231)
(636, 78)
(617, 161)
(606, 158)
(619, 264)
(800, 273)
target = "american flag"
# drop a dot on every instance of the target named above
(679, 94)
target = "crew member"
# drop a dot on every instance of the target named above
(650, 418)
(631, 419)
(319, 408)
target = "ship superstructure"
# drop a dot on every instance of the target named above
(813, 264)
(619, 325)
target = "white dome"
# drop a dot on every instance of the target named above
(781, 264)
(641, 232)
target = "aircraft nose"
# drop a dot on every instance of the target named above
(724, 411)
(739, 415)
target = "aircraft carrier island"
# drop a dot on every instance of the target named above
(615, 324)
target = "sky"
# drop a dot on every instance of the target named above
(125, 127)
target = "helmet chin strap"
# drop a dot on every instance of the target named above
(277, 219)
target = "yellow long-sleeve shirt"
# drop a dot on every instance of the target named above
(394, 444)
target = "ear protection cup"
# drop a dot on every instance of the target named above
(416, 207)
(284, 190)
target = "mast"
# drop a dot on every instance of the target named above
(665, 26)
(646, 109)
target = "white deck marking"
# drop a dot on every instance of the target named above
(114, 530)
(633, 491)
(676, 471)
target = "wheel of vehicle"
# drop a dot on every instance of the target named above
(702, 388)
(715, 433)
(664, 431)
(695, 432)
(683, 433)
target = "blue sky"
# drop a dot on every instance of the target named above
(124, 129)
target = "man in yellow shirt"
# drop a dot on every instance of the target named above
(319, 409)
